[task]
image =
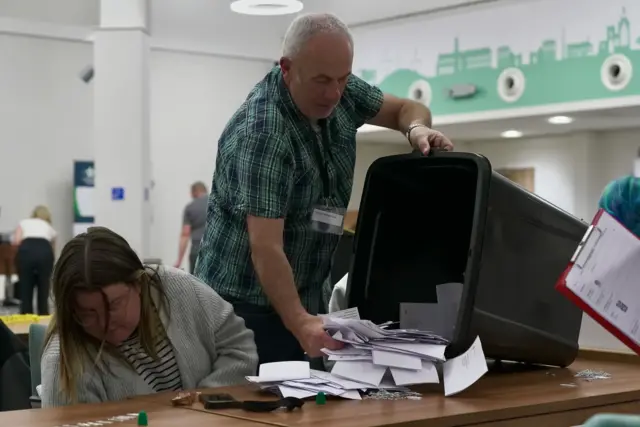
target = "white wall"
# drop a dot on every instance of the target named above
(192, 98)
(46, 124)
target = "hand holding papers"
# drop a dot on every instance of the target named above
(410, 356)
(374, 358)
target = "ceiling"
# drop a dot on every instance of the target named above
(532, 126)
(210, 25)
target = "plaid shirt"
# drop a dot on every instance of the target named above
(267, 166)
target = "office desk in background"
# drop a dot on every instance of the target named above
(7, 259)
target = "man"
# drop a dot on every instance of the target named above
(194, 220)
(283, 180)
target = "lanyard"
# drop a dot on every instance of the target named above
(318, 148)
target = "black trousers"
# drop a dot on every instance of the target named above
(193, 256)
(274, 341)
(34, 261)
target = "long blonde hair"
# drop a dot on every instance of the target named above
(90, 262)
(42, 212)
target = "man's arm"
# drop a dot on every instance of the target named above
(398, 114)
(273, 269)
(370, 105)
(265, 183)
(185, 235)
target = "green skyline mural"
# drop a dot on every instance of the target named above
(556, 72)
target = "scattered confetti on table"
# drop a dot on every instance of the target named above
(591, 375)
(111, 420)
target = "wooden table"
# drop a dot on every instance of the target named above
(158, 416)
(538, 398)
(535, 398)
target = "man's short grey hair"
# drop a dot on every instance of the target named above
(304, 27)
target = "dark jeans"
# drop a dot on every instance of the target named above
(34, 261)
(274, 341)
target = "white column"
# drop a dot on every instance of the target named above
(121, 121)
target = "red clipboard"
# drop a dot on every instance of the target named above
(588, 250)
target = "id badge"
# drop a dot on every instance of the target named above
(325, 219)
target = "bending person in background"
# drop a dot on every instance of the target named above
(194, 220)
(122, 329)
(283, 180)
(35, 238)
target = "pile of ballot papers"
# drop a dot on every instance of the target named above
(375, 357)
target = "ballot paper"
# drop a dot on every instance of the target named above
(463, 371)
(374, 357)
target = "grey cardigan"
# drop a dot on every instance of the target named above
(211, 345)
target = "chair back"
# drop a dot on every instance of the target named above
(36, 340)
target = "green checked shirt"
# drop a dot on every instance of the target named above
(269, 165)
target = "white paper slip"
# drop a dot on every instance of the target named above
(396, 360)
(313, 381)
(339, 382)
(432, 351)
(461, 372)
(349, 313)
(351, 394)
(295, 392)
(364, 328)
(317, 388)
(427, 375)
(363, 372)
(283, 371)
(335, 358)
(347, 351)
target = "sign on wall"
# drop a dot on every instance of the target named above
(83, 190)
(525, 54)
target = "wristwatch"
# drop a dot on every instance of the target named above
(412, 127)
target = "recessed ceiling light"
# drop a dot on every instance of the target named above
(560, 120)
(511, 134)
(266, 7)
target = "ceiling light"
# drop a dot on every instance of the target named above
(560, 120)
(266, 7)
(511, 134)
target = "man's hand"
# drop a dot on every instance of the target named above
(424, 139)
(177, 264)
(312, 337)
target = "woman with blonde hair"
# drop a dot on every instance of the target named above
(122, 329)
(35, 238)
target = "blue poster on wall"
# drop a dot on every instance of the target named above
(83, 188)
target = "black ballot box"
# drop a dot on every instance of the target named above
(446, 244)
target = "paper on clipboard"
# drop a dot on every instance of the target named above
(606, 276)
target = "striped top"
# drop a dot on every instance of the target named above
(161, 374)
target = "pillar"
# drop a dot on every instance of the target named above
(121, 121)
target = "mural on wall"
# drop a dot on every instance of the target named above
(589, 59)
